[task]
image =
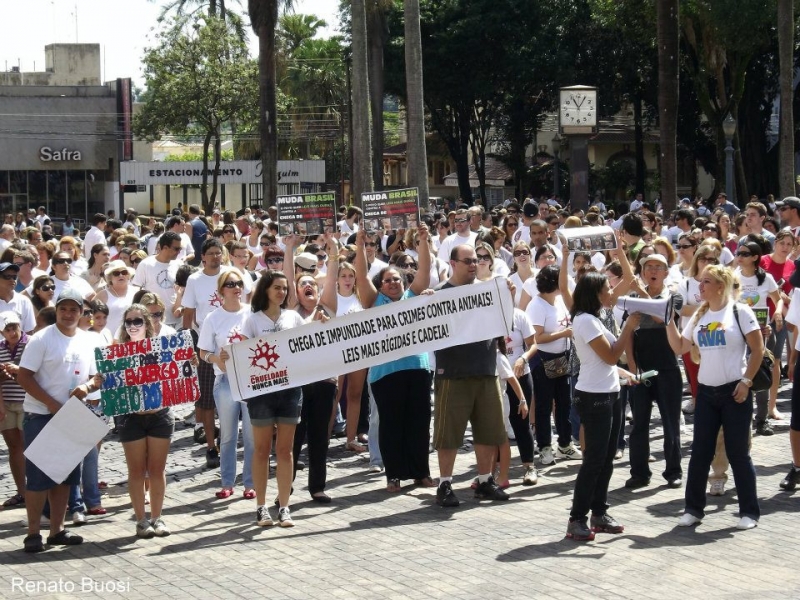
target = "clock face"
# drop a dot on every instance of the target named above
(578, 108)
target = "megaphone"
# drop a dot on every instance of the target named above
(661, 308)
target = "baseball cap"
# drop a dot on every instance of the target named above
(653, 257)
(790, 201)
(8, 317)
(306, 260)
(530, 210)
(70, 294)
(8, 265)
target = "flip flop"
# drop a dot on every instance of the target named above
(393, 486)
(14, 501)
(354, 446)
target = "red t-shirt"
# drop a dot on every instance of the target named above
(779, 272)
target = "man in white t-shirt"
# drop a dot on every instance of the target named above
(199, 299)
(156, 273)
(12, 300)
(95, 235)
(349, 225)
(178, 225)
(58, 363)
(462, 236)
(637, 203)
(523, 233)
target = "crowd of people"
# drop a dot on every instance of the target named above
(560, 384)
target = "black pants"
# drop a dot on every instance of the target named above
(601, 416)
(666, 389)
(315, 416)
(548, 391)
(404, 408)
(521, 427)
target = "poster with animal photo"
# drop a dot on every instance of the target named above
(306, 214)
(391, 210)
(589, 239)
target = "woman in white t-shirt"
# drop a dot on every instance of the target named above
(223, 326)
(598, 404)
(522, 270)
(721, 331)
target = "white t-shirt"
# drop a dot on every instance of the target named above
(76, 283)
(59, 364)
(752, 294)
(344, 228)
(722, 345)
(551, 318)
(793, 314)
(518, 286)
(595, 375)
(522, 234)
(186, 246)
(376, 267)
(259, 324)
(93, 237)
(22, 306)
(347, 304)
(221, 328)
(159, 278)
(515, 341)
(451, 241)
(504, 369)
(201, 295)
(689, 289)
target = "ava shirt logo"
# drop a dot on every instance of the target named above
(711, 335)
(750, 298)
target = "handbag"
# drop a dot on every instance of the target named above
(762, 380)
(558, 366)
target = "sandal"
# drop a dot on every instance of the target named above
(102, 485)
(393, 486)
(426, 482)
(33, 543)
(354, 446)
(224, 493)
(65, 538)
(249, 494)
(96, 511)
(14, 501)
(362, 438)
(321, 497)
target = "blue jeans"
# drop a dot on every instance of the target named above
(373, 437)
(716, 408)
(229, 410)
(90, 480)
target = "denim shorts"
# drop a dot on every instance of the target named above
(36, 480)
(277, 407)
(137, 426)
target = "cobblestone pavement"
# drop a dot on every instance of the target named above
(370, 544)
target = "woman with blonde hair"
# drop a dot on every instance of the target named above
(522, 269)
(118, 293)
(721, 331)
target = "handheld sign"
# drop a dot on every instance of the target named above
(762, 316)
(153, 373)
(306, 214)
(391, 210)
(589, 239)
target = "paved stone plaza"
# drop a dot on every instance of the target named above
(369, 544)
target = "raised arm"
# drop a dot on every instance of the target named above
(329, 297)
(563, 279)
(290, 243)
(366, 290)
(422, 280)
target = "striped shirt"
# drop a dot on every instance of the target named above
(9, 388)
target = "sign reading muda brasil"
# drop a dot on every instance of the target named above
(48, 154)
(231, 171)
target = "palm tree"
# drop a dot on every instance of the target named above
(668, 36)
(362, 148)
(786, 136)
(416, 157)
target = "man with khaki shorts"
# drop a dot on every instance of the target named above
(467, 390)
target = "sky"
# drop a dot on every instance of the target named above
(123, 28)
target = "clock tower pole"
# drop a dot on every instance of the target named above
(578, 119)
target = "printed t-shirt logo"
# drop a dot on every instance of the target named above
(214, 300)
(711, 335)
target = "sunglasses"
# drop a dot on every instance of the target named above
(134, 322)
(322, 257)
(685, 246)
(118, 273)
(136, 261)
(47, 288)
(264, 244)
(62, 261)
(408, 265)
(87, 312)
(304, 270)
(713, 261)
(483, 257)
(227, 231)
(233, 284)
(521, 253)
(467, 261)
(157, 315)
(461, 220)
(19, 264)
(274, 260)
(744, 253)
(511, 224)
(9, 276)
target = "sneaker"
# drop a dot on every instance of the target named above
(212, 458)
(65, 538)
(489, 490)
(263, 518)
(605, 524)
(717, 488)
(746, 523)
(579, 531)
(547, 456)
(619, 453)
(530, 477)
(634, 483)
(569, 453)
(33, 543)
(78, 518)
(285, 518)
(144, 529)
(688, 520)
(675, 482)
(764, 428)
(160, 528)
(376, 468)
(791, 479)
(445, 496)
(688, 407)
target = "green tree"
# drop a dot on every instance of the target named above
(198, 77)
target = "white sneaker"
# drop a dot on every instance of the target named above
(78, 518)
(717, 488)
(160, 528)
(285, 518)
(375, 469)
(530, 477)
(546, 456)
(569, 453)
(144, 529)
(688, 407)
(746, 523)
(687, 520)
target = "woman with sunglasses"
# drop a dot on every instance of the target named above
(521, 271)
(69, 245)
(510, 226)
(137, 256)
(42, 292)
(118, 293)
(485, 255)
(543, 256)
(145, 438)
(279, 409)
(155, 306)
(401, 388)
(64, 280)
(225, 325)
(686, 247)
(98, 259)
(725, 255)
(268, 249)
(755, 287)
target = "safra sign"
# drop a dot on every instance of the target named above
(48, 154)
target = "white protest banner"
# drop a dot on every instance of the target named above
(66, 440)
(589, 239)
(315, 351)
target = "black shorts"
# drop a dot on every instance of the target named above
(278, 407)
(137, 426)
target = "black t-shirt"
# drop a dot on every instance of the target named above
(477, 359)
(651, 347)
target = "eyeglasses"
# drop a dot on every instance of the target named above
(709, 259)
(233, 284)
(274, 260)
(744, 253)
(371, 245)
(521, 253)
(685, 246)
(227, 231)
(408, 265)
(118, 273)
(462, 220)
(483, 257)
(134, 322)
(47, 288)
(87, 312)
(136, 261)
(322, 257)
(467, 261)
(157, 315)
(391, 280)
(62, 261)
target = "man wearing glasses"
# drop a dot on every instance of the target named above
(466, 389)
(789, 210)
(156, 273)
(462, 236)
(176, 224)
(14, 301)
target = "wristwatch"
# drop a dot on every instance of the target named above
(747, 382)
